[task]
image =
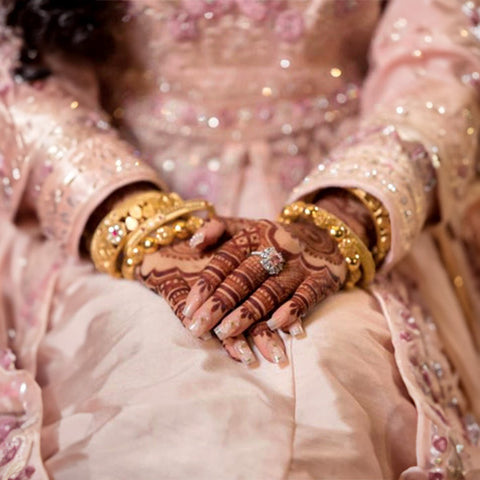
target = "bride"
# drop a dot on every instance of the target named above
(296, 181)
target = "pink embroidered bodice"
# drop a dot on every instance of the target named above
(232, 86)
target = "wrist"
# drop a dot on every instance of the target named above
(351, 211)
(358, 257)
(140, 222)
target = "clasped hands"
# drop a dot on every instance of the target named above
(213, 283)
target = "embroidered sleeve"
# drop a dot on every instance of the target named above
(417, 143)
(61, 156)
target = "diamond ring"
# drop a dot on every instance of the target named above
(271, 260)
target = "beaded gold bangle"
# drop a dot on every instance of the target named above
(113, 235)
(381, 221)
(359, 259)
(162, 229)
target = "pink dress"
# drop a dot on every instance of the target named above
(237, 101)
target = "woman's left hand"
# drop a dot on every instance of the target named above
(235, 292)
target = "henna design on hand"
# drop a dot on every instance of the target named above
(313, 270)
(171, 272)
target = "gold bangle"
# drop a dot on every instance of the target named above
(111, 234)
(381, 222)
(361, 266)
(162, 229)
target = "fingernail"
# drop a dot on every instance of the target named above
(187, 311)
(278, 355)
(246, 355)
(273, 323)
(196, 239)
(206, 336)
(195, 327)
(226, 328)
(220, 332)
(297, 330)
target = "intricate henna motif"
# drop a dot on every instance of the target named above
(313, 270)
(230, 277)
(171, 272)
(311, 292)
(317, 246)
(260, 329)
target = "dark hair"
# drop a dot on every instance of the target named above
(76, 27)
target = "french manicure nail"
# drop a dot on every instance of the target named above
(246, 355)
(297, 330)
(278, 355)
(196, 239)
(227, 327)
(195, 327)
(273, 323)
(220, 332)
(187, 311)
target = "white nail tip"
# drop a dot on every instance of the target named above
(193, 327)
(196, 239)
(297, 331)
(187, 310)
(219, 332)
(272, 324)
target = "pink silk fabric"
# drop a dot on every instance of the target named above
(236, 101)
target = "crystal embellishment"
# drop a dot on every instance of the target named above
(115, 234)
(271, 260)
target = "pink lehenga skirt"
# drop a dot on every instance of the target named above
(108, 385)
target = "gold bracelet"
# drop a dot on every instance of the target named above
(111, 234)
(361, 266)
(381, 222)
(162, 229)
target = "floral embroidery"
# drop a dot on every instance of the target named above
(287, 23)
(451, 428)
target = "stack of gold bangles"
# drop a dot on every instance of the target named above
(360, 261)
(141, 224)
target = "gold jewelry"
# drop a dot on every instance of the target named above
(357, 256)
(161, 229)
(381, 222)
(113, 234)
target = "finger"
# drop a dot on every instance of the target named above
(208, 234)
(227, 259)
(238, 349)
(273, 292)
(231, 292)
(269, 343)
(311, 292)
